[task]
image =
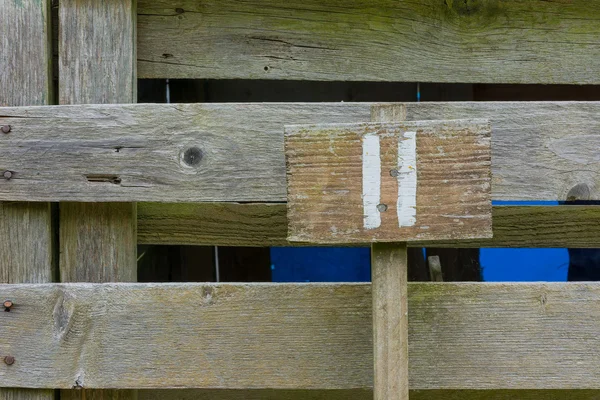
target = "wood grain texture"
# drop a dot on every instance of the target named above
(389, 265)
(97, 60)
(326, 181)
(511, 41)
(26, 239)
(98, 242)
(25, 51)
(313, 336)
(233, 224)
(97, 64)
(537, 151)
(364, 394)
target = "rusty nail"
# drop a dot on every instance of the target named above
(7, 305)
(9, 360)
(7, 175)
(5, 128)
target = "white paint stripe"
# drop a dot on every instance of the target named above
(407, 180)
(371, 175)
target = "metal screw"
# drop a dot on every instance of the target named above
(394, 173)
(381, 207)
(7, 175)
(7, 305)
(5, 128)
(9, 360)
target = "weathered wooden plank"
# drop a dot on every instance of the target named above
(97, 53)
(539, 150)
(389, 266)
(296, 336)
(98, 242)
(511, 41)
(389, 182)
(25, 51)
(364, 394)
(97, 59)
(231, 224)
(26, 238)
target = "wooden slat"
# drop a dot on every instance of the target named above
(363, 394)
(26, 238)
(266, 225)
(389, 182)
(510, 41)
(297, 336)
(389, 265)
(539, 150)
(97, 57)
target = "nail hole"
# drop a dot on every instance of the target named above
(101, 178)
(266, 68)
(167, 55)
(192, 156)
(381, 207)
(179, 10)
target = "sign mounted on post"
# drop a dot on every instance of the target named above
(389, 182)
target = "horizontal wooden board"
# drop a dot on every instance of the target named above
(364, 394)
(296, 336)
(234, 152)
(510, 41)
(389, 182)
(230, 224)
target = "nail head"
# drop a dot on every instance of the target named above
(7, 305)
(5, 128)
(394, 173)
(9, 360)
(7, 175)
(381, 207)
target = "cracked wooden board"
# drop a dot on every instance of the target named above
(311, 336)
(540, 150)
(389, 182)
(491, 41)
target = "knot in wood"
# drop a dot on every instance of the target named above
(192, 156)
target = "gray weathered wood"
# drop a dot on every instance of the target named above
(26, 239)
(98, 242)
(435, 269)
(297, 336)
(97, 59)
(25, 75)
(511, 41)
(232, 224)
(389, 265)
(539, 150)
(327, 168)
(364, 394)
(97, 54)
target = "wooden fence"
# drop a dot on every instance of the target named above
(84, 184)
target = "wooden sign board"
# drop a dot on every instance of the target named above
(389, 182)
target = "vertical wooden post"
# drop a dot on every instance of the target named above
(26, 245)
(390, 321)
(97, 59)
(389, 279)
